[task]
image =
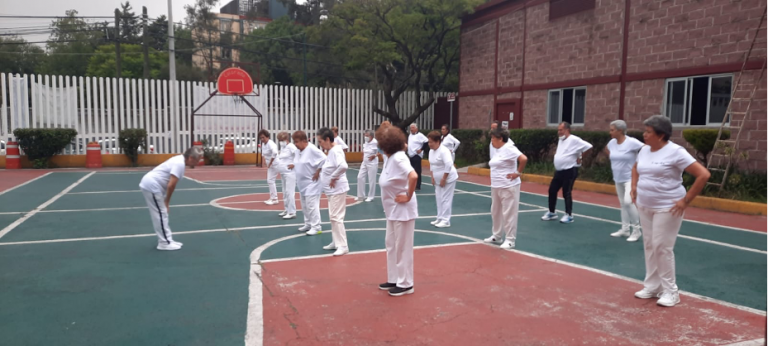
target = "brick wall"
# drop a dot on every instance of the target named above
(602, 106)
(511, 49)
(474, 112)
(478, 47)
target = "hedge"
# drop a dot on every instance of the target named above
(130, 140)
(41, 144)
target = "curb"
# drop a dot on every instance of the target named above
(711, 203)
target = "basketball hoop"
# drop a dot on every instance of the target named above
(234, 81)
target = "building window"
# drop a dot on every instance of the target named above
(562, 8)
(697, 101)
(225, 25)
(567, 105)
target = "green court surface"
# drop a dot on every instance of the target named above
(83, 270)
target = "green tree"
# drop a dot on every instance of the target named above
(72, 40)
(103, 63)
(129, 24)
(280, 59)
(203, 22)
(185, 47)
(413, 44)
(18, 56)
(158, 33)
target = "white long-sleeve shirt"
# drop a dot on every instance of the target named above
(335, 167)
(416, 142)
(450, 142)
(371, 149)
(307, 162)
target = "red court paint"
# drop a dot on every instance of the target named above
(255, 201)
(12, 178)
(480, 295)
(219, 174)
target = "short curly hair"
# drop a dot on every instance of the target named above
(264, 133)
(391, 139)
(299, 136)
(435, 136)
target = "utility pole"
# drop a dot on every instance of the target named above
(171, 45)
(304, 46)
(117, 42)
(145, 39)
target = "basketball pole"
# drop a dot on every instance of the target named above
(171, 43)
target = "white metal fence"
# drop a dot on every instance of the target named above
(98, 108)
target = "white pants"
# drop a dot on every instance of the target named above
(399, 241)
(444, 199)
(159, 214)
(271, 178)
(660, 228)
(288, 181)
(337, 209)
(367, 171)
(310, 205)
(629, 215)
(505, 203)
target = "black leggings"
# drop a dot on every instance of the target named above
(563, 179)
(416, 164)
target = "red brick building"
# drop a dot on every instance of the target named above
(535, 63)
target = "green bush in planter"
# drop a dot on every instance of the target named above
(703, 141)
(130, 140)
(534, 143)
(598, 139)
(41, 144)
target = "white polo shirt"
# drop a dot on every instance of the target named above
(441, 162)
(156, 181)
(335, 166)
(502, 164)
(416, 142)
(623, 157)
(660, 175)
(269, 151)
(568, 151)
(307, 162)
(371, 149)
(393, 182)
(286, 157)
(493, 150)
(340, 142)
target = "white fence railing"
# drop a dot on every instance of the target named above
(98, 108)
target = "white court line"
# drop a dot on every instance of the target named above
(254, 335)
(756, 342)
(231, 187)
(119, 208)
(25, 183)
(42, 206)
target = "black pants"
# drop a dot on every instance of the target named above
(563, 179)
(416, 164)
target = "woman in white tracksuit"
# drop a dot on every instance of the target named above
(507, 166)
(269, 157)
(287, 177)
(333, 177)
(368, 168)
(622, 151)
(449, 141)
(307, 166)
(444, 176)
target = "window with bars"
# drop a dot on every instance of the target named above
(567, 105)
(697, 101)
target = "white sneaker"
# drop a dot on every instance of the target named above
(508, 245)
(566, 219)
(442, 224)
(647, 294)
(636, 234)
(623, 232)
(549, 216)
(289, 216)
(270, 202)
(177, 242)
(169, 247)
(434, 222)
(283, 213)
(669, 299)
(369, 199)
(331, 246)
(314, 232)
(304, 228)
(491, 239)
(341, 251)
(360, 199)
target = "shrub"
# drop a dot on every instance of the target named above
(130, 140)
(598, 139)
(41, 144)
(210, 155)
(534, 143)
(703, 141)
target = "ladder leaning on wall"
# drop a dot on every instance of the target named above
(727, 148)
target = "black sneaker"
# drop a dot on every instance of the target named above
(399, 291)
(387, 286)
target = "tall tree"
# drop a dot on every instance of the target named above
(18, 56)
(205, 31)
(129, 24)
(72, 39)
(414, 44)
(103, 64)
(158, 33)
(280, 59)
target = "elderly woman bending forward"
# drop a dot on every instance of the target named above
(657, 189)
(444, 178)
(398, 183)
(307, 167)
(505, 188)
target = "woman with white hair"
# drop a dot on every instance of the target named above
(622, 151)
(661, 199)
(368, 168)
(285, 158)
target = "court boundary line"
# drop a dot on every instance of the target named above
(28, 215)
(255, 317)
(24, 183)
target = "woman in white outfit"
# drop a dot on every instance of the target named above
(337, 139)
(398, 185)
(444, 178)
(333, 176)
(507, 166)
(449, 141)
(307, 166)
(269, 155)
(622, 151)
(285, 166)
(368, 168)
(661, 199)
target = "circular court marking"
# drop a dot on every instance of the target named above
(255, 202)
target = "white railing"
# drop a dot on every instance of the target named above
(98, 108)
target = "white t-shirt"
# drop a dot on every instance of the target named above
(156, 181)
(416, 142)
(494, 150)
(340, 142)
(335, 166)
(394, 181)
(307, 162)
(568, 152)
(286, 157)
(503, 163)
(660, 175)
(371, 149)
(450, 142)
(441, 162)
(269, 151)
(623, 156)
